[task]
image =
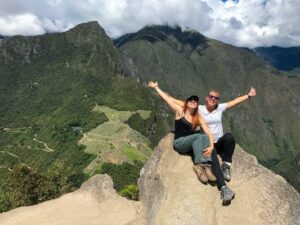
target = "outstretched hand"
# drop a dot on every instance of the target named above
(207, 152)
(152, 84)
(252, 92)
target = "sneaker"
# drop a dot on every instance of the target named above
(200, 172)
(226, 195)
(209, 173)
(226, 171)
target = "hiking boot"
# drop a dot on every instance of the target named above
(226, 171)
(200, 172)
(209, 173)
(226, 195)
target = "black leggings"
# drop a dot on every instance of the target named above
(225, 147)
(215, 165)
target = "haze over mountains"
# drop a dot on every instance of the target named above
(51, 83)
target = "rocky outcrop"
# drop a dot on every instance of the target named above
(95, 203)
(170, 194)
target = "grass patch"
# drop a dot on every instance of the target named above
(133, 154)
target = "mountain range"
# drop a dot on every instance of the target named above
(52, 84)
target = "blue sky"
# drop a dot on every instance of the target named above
(246, 23)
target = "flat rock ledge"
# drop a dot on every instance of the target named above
(170, 194)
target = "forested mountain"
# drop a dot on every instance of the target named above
(50, 87)
(186, 62)
(79, 100)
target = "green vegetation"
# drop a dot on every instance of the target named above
(131, 191)
(26, 185)
(134, 155)
(115, 141)
(50, 85)
(125, 177)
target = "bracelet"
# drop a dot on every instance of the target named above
(249, 96)
(155, 87)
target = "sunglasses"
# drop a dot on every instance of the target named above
(214, 97)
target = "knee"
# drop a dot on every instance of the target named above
(229, 138)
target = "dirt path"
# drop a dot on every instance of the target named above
(46, 146)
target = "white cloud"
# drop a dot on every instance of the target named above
(25, 24)
(247, 23)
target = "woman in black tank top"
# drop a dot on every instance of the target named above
(187, 137)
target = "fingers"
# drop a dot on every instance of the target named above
(206, 152)
(152, 84)
(252, 91)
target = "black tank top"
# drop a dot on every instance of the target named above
(183, 128)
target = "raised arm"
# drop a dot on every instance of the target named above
(208, 150)
(177, 101)
(240, 99)
(167, 98)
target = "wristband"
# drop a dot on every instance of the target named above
(249, 96)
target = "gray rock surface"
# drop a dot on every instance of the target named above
(170, 194)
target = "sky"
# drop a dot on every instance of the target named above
(242, 23)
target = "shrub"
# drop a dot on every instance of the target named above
(130, 191)
(27, 186)
(124, 174)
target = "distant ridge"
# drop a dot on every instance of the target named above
(281, 58)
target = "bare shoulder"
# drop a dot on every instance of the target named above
(179, 113)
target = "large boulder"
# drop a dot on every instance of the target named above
(171, 194)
